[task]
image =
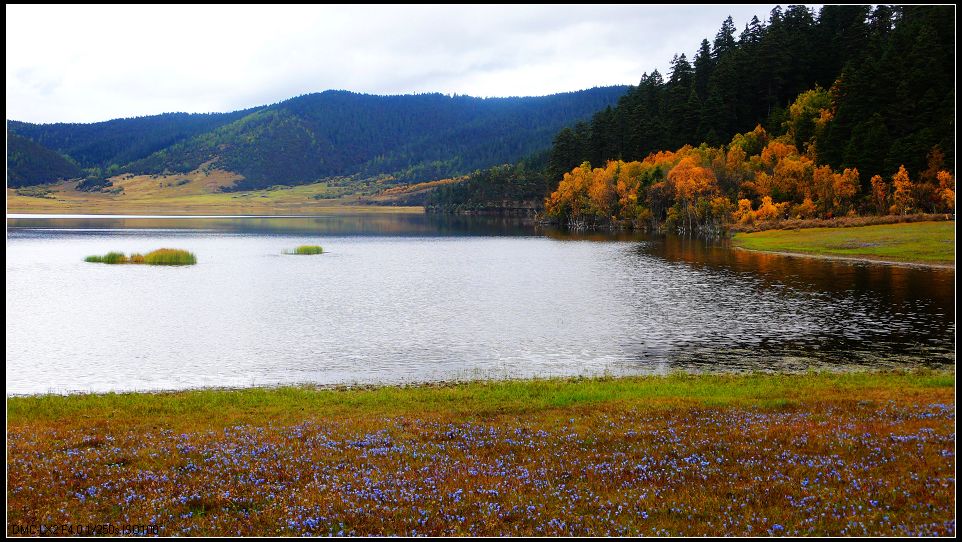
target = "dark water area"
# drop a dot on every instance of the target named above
(410, 298)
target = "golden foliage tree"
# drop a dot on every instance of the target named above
(744, 214)
(846, 187)
(880, 194)
(768, 210)
(691, 183)
(693, 187)
(947, 190)
(902, 197)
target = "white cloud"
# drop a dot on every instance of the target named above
(89, 63)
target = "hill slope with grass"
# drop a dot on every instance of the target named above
(333, 133)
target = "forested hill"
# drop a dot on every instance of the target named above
(334, 133)
(27, 161)
(889, 73)
(841, 110)
(120, 141)
(850, 111)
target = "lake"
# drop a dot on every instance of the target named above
(414, 298)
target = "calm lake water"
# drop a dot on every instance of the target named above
(410, 298)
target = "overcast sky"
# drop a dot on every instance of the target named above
(83, 63)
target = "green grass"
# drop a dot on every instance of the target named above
(472, 399)
(163, 256)
(921, 242)
(307, 250)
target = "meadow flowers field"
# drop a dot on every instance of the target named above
(755, 455)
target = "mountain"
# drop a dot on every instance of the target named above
(333, 133)
(120, 141)
(30, 163)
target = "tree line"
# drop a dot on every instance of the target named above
(848, 105)
(755, 177)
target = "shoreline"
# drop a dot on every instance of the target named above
(22, 216)
(665, 385)
(922, 244)
(323, 213)
(852, 259)
(415, 385)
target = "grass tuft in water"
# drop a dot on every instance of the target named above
(110, 257)
(306, 249)
(170, 256)
(163, 256)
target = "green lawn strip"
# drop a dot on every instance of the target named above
(932, 242)
(474, 399)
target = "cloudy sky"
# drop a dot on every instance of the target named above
(83, 63)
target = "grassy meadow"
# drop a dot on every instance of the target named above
(199, 193)
(916, 242)
(758, 454)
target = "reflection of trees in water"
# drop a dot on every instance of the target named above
(894, 284)
(373, 223)
(791, 313)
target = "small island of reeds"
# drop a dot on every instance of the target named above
(161, 256)
(306, 250)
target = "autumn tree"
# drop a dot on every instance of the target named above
(691, 182)
(880, 194)
(792, 179)
(744, 214)
(846, 188)
(769, 210)
(902, 198)
(823, 183)
(805, 209)
(947, 190)
(601, 191)
(568, 202)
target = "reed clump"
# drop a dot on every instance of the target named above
(110, 257)
(163, 256)
(307, 249)
(170, 256)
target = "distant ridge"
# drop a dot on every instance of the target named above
(322, 135)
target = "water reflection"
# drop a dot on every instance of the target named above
(374, 224)
(783, 312)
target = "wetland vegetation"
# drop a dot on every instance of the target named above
(306, 250)
(161, 256)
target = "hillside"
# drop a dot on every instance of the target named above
(120, 141)
(334, 133)
(30, 163)
(201, 192)
(843, 111)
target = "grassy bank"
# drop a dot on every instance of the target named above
(200, 193)
(919, 242)
(756, 454)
